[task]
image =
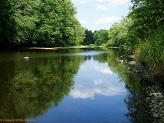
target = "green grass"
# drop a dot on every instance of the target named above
(151, 52)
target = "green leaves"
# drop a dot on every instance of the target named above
(59, 17)
(148, 16)
(100, 37)
(39, 23)
(119, 35)
(88, 37)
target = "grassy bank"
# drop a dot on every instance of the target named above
(151, 54)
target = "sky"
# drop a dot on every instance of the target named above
(100, 14)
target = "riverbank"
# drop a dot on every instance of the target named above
(155, 102)
(154, 92)
(56, 48)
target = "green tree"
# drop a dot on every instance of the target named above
(7, 30)
(39, 23)
(25, 16)
(119, 35)
(147, 16)
(148, 28)
(57, 25)
(100, 37)
(88, 37)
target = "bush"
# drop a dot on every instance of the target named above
(151, 52)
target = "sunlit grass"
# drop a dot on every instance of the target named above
(151, 52)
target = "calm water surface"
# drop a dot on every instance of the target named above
(63, 86)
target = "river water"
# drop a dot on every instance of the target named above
(68, 86)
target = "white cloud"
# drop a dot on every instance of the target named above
(83, 94)
(103, 70)
(114, 3)
(106, 71)
(106, 90)
(106, 20)
(98, 82)
(101, 7)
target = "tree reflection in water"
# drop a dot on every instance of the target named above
(135, 100)
(30, 88)
(36, 85)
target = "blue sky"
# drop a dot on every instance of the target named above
(100, 14)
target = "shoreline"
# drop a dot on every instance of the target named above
(155, 102)
(56, 48)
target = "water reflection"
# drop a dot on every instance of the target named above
(101, 80)
(31, 87)
(135, 99)
(86, 53)
(97, 96)
(137, 107)
(67, 86)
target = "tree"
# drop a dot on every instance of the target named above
(88, 37)
(100, 37)
(57, 25)
(147, 16)
(40, 23)
(25, 16)
(7, 30)
(119, 35)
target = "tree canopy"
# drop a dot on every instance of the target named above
(39, 23)
(143, 31)
(100, 37)
(88, 37)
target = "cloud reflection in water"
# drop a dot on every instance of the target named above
(94, 78)
(103, 70)
(100, 87)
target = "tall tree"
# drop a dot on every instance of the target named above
(25, 16)
(88, 37)
(7, 31)
(39, 23)
(148, 16)
(100, 37)
(119, 34)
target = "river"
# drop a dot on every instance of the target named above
(69, 86)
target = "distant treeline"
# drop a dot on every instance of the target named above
(95, 38)
(26, 23)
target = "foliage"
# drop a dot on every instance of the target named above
(142, 30)
(151, 52)
(88, 37)
(148, 22)
(7, 30)
(39, 23)
(144, 19)
(100, 37)
(147, 16)
(119, 35)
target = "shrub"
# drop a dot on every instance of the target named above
(151, 52)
